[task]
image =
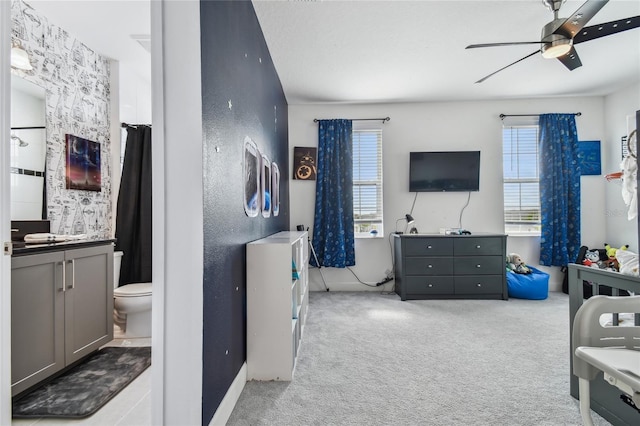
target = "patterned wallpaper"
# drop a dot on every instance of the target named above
(76, 80)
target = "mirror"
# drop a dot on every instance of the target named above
(28, 150)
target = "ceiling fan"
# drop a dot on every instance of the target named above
(560, 35)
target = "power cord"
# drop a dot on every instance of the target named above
(462, 211)
(414, 203)
(392, 273)
(378, 284)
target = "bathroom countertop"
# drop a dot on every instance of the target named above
(21, 248)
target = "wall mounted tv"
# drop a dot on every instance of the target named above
(444, 171)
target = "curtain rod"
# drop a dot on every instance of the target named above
(135, 126)
(502, 116)
(28, 128)
(315, 120)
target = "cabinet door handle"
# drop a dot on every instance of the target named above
(478, 246)
(478, 266)
(429, 285)
(429, 266)
(73, 274)
(478, 285)
(429, 247)
(64, 276)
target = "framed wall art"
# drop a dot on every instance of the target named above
(83, 164)
(589, 153)
(304, 163)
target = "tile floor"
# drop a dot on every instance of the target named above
(131, 407)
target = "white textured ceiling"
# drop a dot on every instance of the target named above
(391, 51)
(107, 26)
(397, 51)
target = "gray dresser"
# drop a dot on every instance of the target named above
(433, 266)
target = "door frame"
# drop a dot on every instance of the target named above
(158, 329)
(158, 212)
(5, 212)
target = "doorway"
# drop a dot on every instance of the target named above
(5, 261)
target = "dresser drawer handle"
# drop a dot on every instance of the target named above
(429, 247)
(478, 246)
(429, 285)
(478, 285)
(478, 266)
(429, 266)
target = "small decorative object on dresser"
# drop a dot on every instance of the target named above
(433, 266)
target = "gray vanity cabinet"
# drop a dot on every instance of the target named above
(37, 318)
(61, 310)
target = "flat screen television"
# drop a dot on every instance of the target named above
(444, 171)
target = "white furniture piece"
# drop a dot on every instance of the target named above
(614, 350)
(277, 302)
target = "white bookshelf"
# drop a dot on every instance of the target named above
(276, 304)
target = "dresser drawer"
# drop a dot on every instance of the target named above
(479, 265)
(428, 265)
(469, 246)
(428, 247)
(481, 284)
(429, 285)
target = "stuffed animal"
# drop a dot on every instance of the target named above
(517, 265)
(592, 259)
(612, 261)
(510, 266)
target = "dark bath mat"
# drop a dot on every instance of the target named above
(85, 388)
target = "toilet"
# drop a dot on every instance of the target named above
(131, 305)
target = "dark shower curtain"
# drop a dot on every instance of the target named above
(133, 219)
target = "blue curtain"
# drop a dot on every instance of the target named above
(559, 189)
(333, 236)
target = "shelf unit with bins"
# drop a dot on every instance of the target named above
(277, 304)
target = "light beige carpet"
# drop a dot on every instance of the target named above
(371, 359)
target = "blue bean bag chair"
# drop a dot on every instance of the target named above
(534, 286)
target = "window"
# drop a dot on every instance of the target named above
(367, 183)
(521, 179)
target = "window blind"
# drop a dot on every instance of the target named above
(521, 178)
(367, 180)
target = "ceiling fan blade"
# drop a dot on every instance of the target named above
(574, 23)
(473, 46)
(571, 60)
(607, 28)
(513, 63)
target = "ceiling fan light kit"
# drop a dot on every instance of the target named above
(556, 49)
(560, 35)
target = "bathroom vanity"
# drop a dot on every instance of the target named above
(61, 307)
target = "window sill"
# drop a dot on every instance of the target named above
(523, 234)
(368, 236)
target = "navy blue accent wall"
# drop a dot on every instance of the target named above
(241, 97)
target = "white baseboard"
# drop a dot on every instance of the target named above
(228, 403)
